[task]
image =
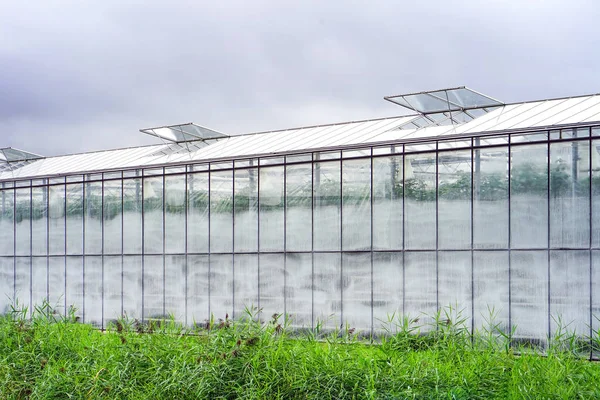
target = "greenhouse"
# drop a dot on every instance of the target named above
(467, 201)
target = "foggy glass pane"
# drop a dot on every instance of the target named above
(153, 215)
(113, 217)
(132, 216)
(595, 166)
(490, 198)
(454, 200)
(298, 291)
(39, 221)
(23, 221)
(112, 288)
(175, 287)
(93, 217)
(420, 197)
(175, 214)
(246, 210)
(23, 282)
(596, 301)
(198, 290)
(327, 290)
(245, 285)
(356, 203)
(569, 194)
(387, 203)
(39, 281)
(272, 285)
(420, 285)
(454, 285)
(7, 265)
(387, 289)
(221, 286)
(7, 238)
(154, 281)
(221, 211)
(529, 197)
(356, 291)
(74, 210)
(271, 214)
(491, 286)
(529, 294)
(74, 285)
(56, 220)
(197, 234)
(299, 207)
(56, 284)
(327, 205)
(93, 291)
(570, 291)
(132, 286)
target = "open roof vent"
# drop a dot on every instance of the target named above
(12, 159)
(445, 106)
(189, 132)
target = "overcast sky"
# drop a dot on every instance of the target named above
(76, 77)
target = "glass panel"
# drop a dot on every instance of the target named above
(93, 291)
(23, 222)
(23, 282)
(154, 280)
(39, 280)
(132, 216)
(529, 197)
(7, 281)
(39, 221)
(221, 211)
(221, 286)
(271, 214)
(595, 167)
(454, 200)
(569, 194)
(153, 215)
(420, 198)
(74, 284)
(74, 226)
(356, 291)
(7, 232)
(327, 204)
(490, 198)
(246, 210)
(356, 203)
(455, 285)
(197, 234)
(596, 302)
(93, 218)
(56, 284)
(113, 286)
(529, 295)
(245, 285)
(388, 287)
(175, 214)
(327, 291)
(272, 285)
(298, 207)
(420, 282)
(132, 286)
(113, 217)
(198, 290)
(387, 203)
(491, 288)
(175, 286)
(298, 291)
(56, 220)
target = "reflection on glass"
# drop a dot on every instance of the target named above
(221, 211)
(132, 216)
(454, 200)
(197, 198)
(299, 207)
(356, 203)
(420, 198)
(39, 220)
(7, 238)
(154, 291)
(491, 288)
(93, 288)
(245, 285)
(93, 217)
(175, 286)
(421, 287)
(271, 285)
(298, 291)
(56, 220)
(246, 210)
(74, 210)
(23, 221)
(387, 203)
(327, 205)
(153, 215)
(113, 217)
(356, 291)
(175, 214)
(271, 214)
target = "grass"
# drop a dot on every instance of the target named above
(52, 357)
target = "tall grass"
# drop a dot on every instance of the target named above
(49, 356)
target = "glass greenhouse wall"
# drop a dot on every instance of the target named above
(507, 224)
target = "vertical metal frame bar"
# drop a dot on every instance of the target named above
(47, 188)
(15, 246)
(209, 172)
(65, 249)
(590, 239)
(102, 252)
(472, 213)
(314, 174)
(403, 229)
(341, 208)
(549, 188)
(31, 249)
(372, 323)
(509, 172)
(258, 215)
(285, 284)
(83, 250)
(437, 226)
(233, 215)
(122, 245)
(143, 260)
(164, 248)
(185, 243)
